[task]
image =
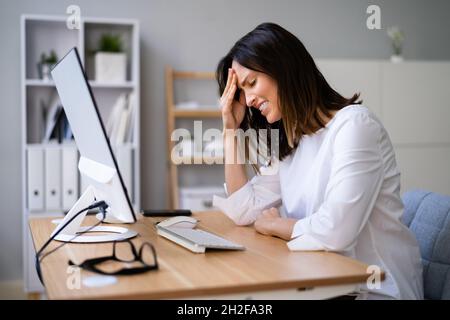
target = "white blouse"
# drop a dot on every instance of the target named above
(343, 185)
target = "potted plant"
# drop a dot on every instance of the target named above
(110, 60)
(46, 64)
(397, 37)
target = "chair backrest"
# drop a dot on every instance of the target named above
(427, 214)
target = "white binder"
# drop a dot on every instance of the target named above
(53, 177)
(35, 178)
(69, 176)
(124, 157)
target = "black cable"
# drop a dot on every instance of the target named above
(38, 259)
(75, 236)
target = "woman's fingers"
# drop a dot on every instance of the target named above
(226, 91)
(229, 81)
(231, 93)
(227, 102)
(232, 111)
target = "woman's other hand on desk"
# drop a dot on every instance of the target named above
(270, 223)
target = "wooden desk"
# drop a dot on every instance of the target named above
(265, 270)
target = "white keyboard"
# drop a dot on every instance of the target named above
(197, 240)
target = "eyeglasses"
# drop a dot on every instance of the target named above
(125, 252)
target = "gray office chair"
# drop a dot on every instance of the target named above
(427, 214)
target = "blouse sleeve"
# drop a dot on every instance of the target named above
(356, 177)
(260, 193)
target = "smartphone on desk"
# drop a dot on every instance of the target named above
(166, 213)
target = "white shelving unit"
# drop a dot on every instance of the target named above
(44, 33)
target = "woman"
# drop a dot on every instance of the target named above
(337, 180)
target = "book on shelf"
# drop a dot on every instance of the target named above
(132, 110)
(51, 114)
(119, 126)
(56, 126)
(113, 120)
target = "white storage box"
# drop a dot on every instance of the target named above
(200, 198)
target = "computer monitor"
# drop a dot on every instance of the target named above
(97, 162)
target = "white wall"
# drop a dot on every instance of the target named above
(416, 112)
(412, 99)
(194, 34)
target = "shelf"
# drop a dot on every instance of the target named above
(72, 143)
(186, 114)
(198, 160)
(93, 32)
(39, 83)
(193, 75)
(52, 143)
(206, 113)
(41, 35)
(128, 84)
(93, 84)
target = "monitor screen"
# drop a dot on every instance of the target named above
(97, 161)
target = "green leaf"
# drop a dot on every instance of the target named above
(110, 43)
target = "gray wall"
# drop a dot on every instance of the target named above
(194, 35)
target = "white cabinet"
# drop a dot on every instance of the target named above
(416, 112)
(412, 99)
(199, 198)
(416, 102)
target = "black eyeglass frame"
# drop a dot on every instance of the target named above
(91, 264)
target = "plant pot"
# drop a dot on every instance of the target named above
(110, 67)
(395, 58)
(45, 69)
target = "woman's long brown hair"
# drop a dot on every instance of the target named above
(304, 96)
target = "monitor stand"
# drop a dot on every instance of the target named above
(72, 229)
